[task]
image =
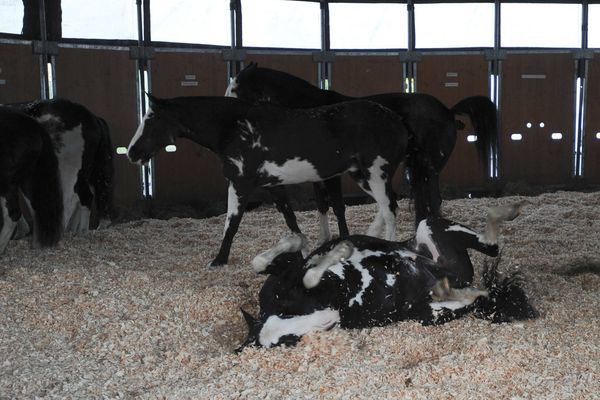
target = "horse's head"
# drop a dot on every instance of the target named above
(157, 130)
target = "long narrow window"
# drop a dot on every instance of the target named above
(92, 19)
(454, 25)
(594, 26)
(11, 16)
(191, 21)
(283, 24)
(541, 25)
(368, 26)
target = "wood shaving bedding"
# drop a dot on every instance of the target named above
(133, 312)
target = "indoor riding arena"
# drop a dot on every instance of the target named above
(242, 199)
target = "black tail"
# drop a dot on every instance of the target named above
(507, 300)
(47, 197)
(482, 112)
(102, 175)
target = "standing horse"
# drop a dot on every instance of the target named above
(430, 124)
(83, 146)
(269, 146)
(28, 165)
(361, 281)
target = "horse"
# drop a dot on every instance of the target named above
(28, 166)
(431, 126)
(269, 146)
(83, 145)
(362, 281)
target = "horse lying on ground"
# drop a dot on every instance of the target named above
(269, 146)
(431, 127)
(28, 165)
(83, 146)
(361, 281)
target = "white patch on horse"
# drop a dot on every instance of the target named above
(250, 134)
(423, 237)
(70, 158)
(390, 279)
(291, 172)
(366, 279)
(324, 232)
(275, 327)
(140, 130)
(460, 228)
(233, 205)
(239, 164)
(231, 88)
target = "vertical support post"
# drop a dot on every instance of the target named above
(325, 58)
(236, 56)
(409, 60)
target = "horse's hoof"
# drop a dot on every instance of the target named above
(216, 264)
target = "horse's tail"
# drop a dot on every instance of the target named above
(103, 172)
(483, 115)
(47, 196)
(506, 300)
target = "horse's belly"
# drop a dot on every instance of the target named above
(290, 172)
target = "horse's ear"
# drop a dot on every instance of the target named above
(250, 320)
(154, 101)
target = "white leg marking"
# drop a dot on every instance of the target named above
(376, 226)
(7, 228)
(377, 185)
(288, 244)
(83, 225)
(340, 252)
(324, 232)
(233, 204)
(276, 327)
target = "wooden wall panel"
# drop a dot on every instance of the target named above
(367, 75)
(192, 172)
(104, 82)
(591, 172)
(451, 79)
(19, 73)
(537, 89)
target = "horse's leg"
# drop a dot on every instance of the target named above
(85, 198)
(322, 208)
(283, 206)
(496, 216)
(22, 230)
(7, 224)
(334, 189)
(237, 199)
(339, 253)
(288, 244)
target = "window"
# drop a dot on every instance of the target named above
(286, 24)
(191, 21)
(594, 25)
(11, 16)
(540, 25)
(92, 19)
(454, 25)
(368, 26)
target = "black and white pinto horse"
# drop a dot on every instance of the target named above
(84, 150)
(362, 281)
(269, 146)
(431, 126)
(28, 166)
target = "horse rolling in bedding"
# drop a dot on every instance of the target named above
(362, 281)
(269, 146)
(28, 166)
(431, 127)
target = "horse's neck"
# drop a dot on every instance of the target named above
(211, 122)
